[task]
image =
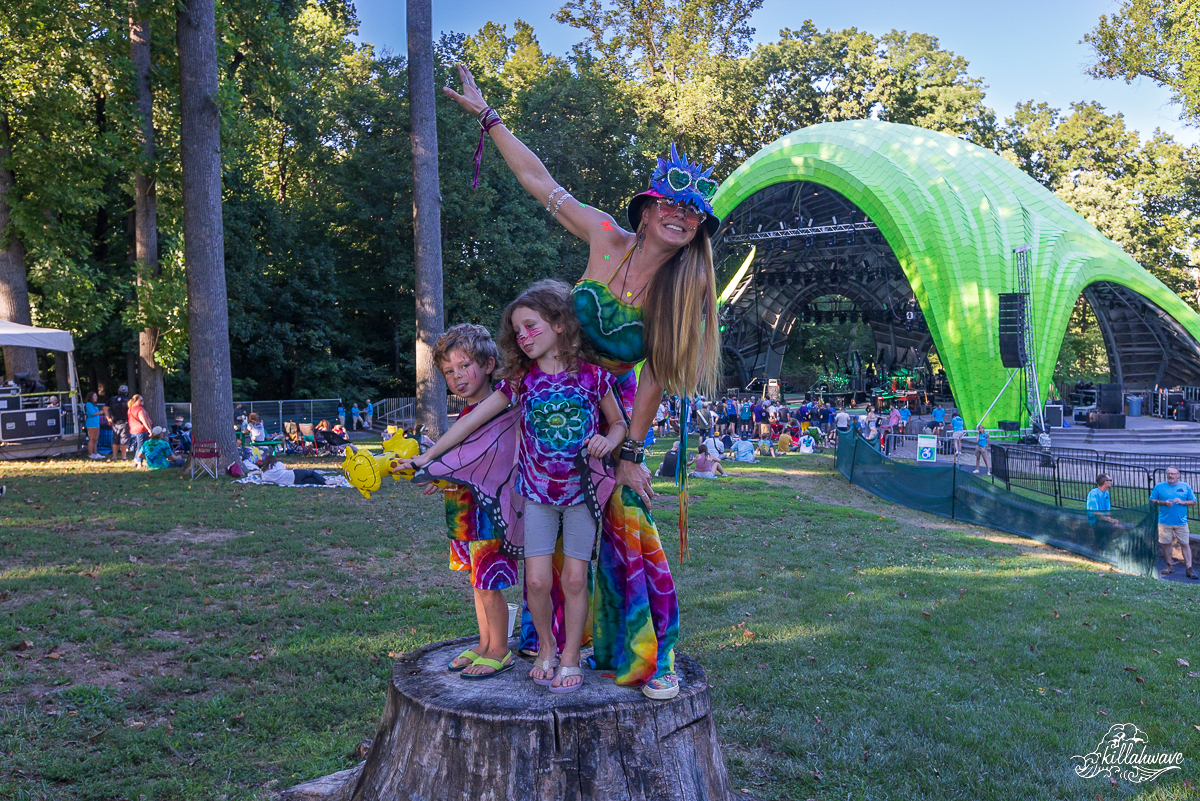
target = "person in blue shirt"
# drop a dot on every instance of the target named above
(905, 414)
(1098, 500)
(341, 415)
(981, 444)
(92, 409)
(1173, 497)
(939, 419)
(356, 420)
(369, 414)
(958, 430)
(744, 451)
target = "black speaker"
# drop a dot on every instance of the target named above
(1054, 416)
(1012, 330)
(1109, 400)
(1109, 421)
(1010, 425)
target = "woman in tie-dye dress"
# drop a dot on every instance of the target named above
(645, 297)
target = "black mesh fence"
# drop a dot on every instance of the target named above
(1124, 538)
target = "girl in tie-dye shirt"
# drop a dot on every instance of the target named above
(561, 398)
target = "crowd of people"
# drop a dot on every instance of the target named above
(134, 435)
(743, 430)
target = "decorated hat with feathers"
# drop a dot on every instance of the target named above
(680, 181)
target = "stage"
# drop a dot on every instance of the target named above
(1148, 435)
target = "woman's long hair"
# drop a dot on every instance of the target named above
(682, 336)
(551, 299)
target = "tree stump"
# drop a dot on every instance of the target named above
(507, 739)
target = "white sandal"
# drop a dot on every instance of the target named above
(564, 672)
(546, 666)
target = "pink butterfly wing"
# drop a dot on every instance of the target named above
(486, 463)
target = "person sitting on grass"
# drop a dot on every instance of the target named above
(706, 466)
(786, 442)
(276, 472)
(157, 453)
(807, 443)
(670, 462)
(255, 428)
(713, 443)
(744, 451)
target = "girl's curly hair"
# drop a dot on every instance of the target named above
(551, 299)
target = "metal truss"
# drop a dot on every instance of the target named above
(800, 233)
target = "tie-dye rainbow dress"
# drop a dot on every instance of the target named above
(475, 542)
(635, 613)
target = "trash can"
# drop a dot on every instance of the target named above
(1135, 405)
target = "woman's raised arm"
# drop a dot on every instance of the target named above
(589, 224)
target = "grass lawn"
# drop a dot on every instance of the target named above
(168, 639)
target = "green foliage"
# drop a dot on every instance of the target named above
(315, 140)
(1083, 356)
(1155, 39)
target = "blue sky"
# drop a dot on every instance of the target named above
(1023, 49)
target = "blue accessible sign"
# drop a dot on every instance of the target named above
(926, 448)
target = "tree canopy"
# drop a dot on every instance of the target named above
(317, 170)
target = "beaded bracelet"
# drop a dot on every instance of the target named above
(553, 192)
(558, 205)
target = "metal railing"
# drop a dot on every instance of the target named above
(1068, 478)
(402, 412)
(274, 413)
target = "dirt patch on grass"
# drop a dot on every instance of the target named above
(197, 535)
(819, 486)
(42, 672)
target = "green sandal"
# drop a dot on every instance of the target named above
(460, 668)
(502, 666)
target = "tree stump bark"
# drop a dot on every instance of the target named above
(507, 739)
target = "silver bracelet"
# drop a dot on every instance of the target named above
(558, 205)
(553, 192)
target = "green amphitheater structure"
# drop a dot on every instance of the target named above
(918, 234)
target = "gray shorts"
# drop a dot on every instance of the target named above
(541, 529)
(121, 434)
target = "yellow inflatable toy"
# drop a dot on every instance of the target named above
(365, 471)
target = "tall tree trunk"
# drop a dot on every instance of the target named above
(203, 233)
(146, 222)
(427, 215)
(14, 290)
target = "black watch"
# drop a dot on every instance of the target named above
(638, 457)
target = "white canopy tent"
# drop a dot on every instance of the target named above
(27, 336)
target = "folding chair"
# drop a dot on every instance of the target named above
(293, 442)
(206, 455)
(310, 440)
